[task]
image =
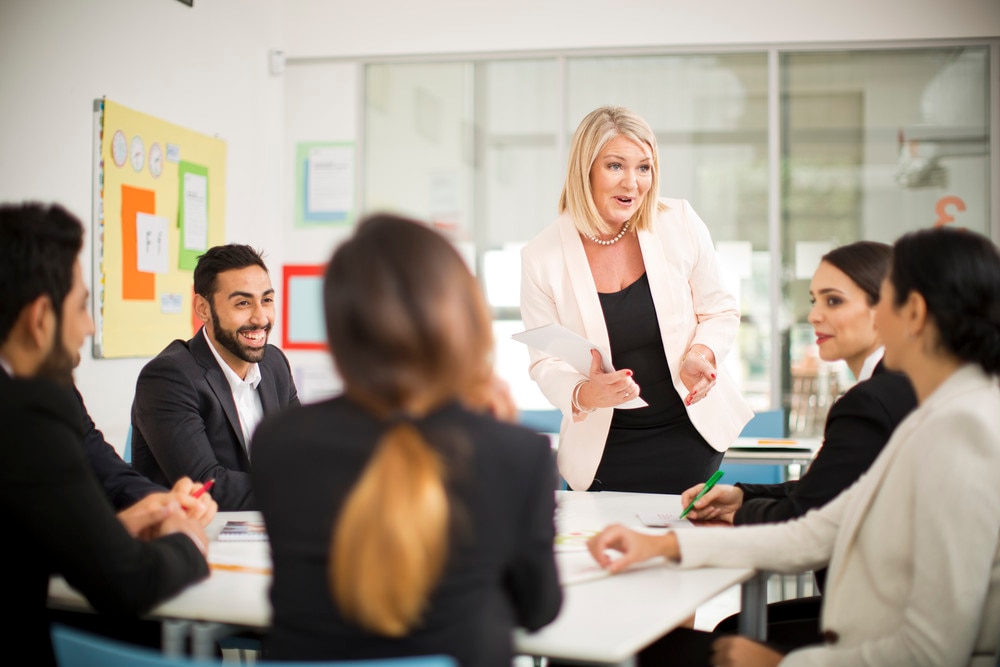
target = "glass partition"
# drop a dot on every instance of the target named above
(873, 143)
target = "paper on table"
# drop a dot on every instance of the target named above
(571, 348)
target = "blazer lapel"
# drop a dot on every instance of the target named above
(217, 381)
(663, 281)
(584, 287)
(267, 389)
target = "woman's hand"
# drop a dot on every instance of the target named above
(743, 652)
(634, 547)
(719, 504)
(604, 390)
(698, 373)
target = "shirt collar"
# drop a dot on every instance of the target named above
(871, 362)
(234, 380)
(6, 367)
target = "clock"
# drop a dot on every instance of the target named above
(137, 153)
(119, 148)
(155, 159)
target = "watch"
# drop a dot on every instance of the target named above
(137, 153)
(155, 159)
(119, 148)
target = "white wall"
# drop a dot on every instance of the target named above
(313, 27)
(206, 68)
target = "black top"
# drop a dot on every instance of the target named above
(653, 449)
(634, 335)
(60, 521)
(501, 571)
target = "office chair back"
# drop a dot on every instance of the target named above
(76, 648)
(127, 453)
(766, 424)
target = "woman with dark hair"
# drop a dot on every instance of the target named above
(404, 519)
(912, 547)
(844, 293)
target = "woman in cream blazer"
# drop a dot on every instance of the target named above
(691, 305)
(632, 238)
(912, 546)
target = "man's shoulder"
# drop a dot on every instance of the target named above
(41, 397)
(179, 354)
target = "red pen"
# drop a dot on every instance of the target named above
(204, 487)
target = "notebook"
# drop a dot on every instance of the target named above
(243, 531)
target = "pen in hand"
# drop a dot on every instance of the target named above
(705, 489)
(208, 485)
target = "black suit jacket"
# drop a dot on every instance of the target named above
(123, 484)
(185, 422)
(501, 571)
(857, 427)
(58, 520)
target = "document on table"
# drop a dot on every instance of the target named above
(571, 348)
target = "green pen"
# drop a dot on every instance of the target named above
(705, 489)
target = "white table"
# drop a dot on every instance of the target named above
(604, 620)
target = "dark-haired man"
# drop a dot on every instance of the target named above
(197, 403)
(58, 517)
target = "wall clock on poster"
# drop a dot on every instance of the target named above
(137, 153)
(155, 159)
(119, 148)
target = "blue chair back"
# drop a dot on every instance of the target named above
(543, 421)
(76, 648)
(766, 424)
(127, 456)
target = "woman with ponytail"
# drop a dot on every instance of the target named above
(404, 517)
(913, 547)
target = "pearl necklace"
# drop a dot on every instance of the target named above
(613, 241)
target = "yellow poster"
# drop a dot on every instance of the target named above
(160, 201)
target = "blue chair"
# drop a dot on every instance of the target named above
(767, 424)
(76, 648)
(127, 456)
(543, 421)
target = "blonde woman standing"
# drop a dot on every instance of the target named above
(638, 276)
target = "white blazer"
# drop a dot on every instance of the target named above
(912, 546)
(692, 306)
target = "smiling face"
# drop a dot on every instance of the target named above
(842, 318)
(239, 317)
(620, 178)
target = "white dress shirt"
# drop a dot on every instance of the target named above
(245, 394)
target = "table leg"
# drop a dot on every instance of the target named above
(174, 637)
(753, 613)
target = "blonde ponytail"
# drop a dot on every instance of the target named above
(391, 541)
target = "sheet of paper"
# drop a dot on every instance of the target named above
(661, 520)
(151, 243)
(195, 212)
(572, 348)
(331, 179)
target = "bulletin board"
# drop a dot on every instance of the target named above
(159, 203)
